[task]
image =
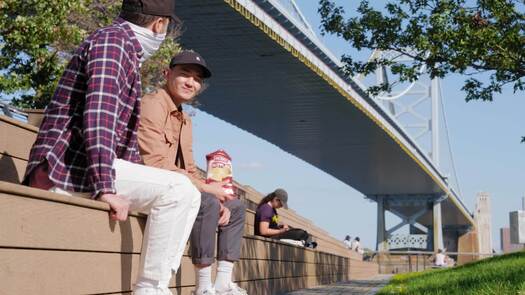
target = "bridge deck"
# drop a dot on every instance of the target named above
(273, 85)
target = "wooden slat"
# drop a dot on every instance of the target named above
(55, 225)
(267, 249)
(33, 193)
(35, 223)
(65, 272)
(274, 286)
(19, 124)
(76, 272)
(250, 217)
(20, 137)
(278, 286)
(253, 269)
(11, 169)
(63, 244)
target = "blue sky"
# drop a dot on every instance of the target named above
(485, 138)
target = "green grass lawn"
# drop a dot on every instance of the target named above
(499, 275)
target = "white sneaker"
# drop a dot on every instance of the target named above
(205, 292)
(234, 290)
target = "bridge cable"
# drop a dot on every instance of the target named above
(448, 141)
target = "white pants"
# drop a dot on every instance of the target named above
(172, 203)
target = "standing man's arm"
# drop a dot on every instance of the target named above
(105, 72)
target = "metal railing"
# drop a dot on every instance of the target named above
(393, 262)
(12, 112)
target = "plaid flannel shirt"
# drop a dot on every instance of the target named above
(94, 114)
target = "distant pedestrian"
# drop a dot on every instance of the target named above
(356, 245)
(440, 259)
(348, 242)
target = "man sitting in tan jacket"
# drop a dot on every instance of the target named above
(165, 141)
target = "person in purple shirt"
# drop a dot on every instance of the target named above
(87, 143)
(267, 223)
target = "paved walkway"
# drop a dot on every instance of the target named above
(355, 287)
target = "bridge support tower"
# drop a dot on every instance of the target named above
(422, 213)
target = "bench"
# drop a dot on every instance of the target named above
(55, 244)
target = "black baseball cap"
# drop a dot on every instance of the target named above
(188, 57)
(282, 195)
(165, 8)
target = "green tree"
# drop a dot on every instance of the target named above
(471, 38)
(37, 38)
(31, 33)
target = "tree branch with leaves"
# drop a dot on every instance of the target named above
(37, 38)
(443, 36)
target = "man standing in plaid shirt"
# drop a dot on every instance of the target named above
(87, 143)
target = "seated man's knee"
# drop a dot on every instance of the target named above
(189, 188)
(194, 194)
(210, 202)
(237, 207)
(182, 191)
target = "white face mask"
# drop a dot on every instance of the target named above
(149, 40)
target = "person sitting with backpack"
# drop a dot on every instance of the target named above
(267, 220)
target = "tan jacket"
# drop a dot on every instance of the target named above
(162, 125)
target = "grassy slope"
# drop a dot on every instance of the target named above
(499, 275)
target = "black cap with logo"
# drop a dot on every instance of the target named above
(188, 57)
(164, 8)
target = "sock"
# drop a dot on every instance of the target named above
(224, 275)
(203, 275)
